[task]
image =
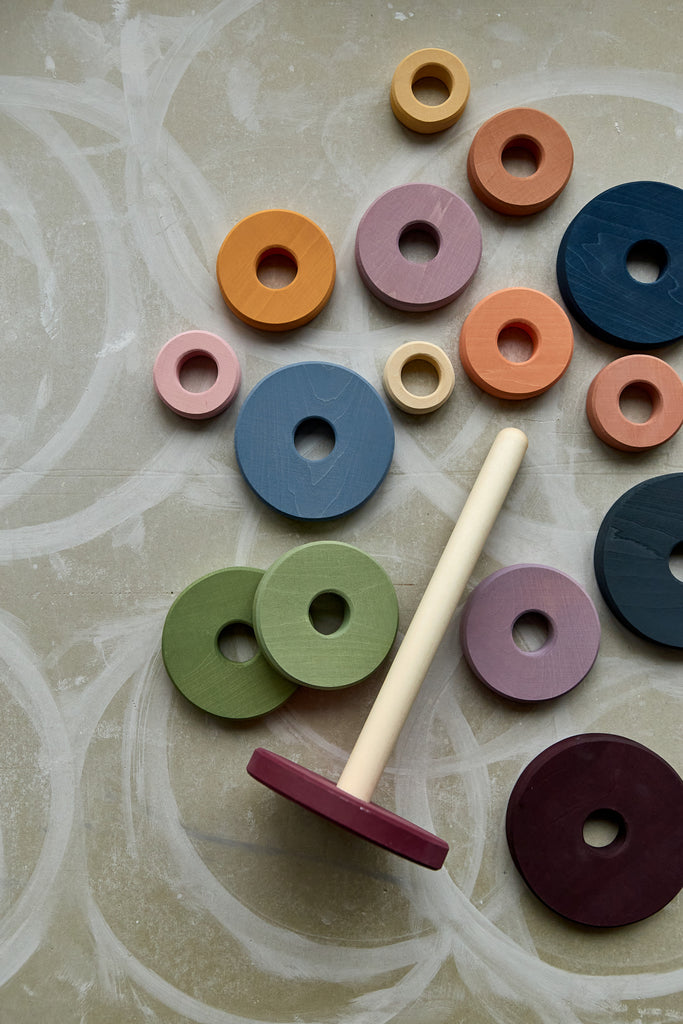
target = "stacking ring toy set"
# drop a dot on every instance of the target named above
(641, 870)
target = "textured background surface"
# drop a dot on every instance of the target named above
(143, 876)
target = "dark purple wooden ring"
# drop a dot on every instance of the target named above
(486, 632)
(365, 819)
(640, 871)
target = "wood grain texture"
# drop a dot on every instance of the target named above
(661, 384)
(429, 63)
(524, 128)
(640, 871)
(592, 265)
(179, 350)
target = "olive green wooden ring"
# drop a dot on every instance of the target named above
(192, 655)
(282, 615)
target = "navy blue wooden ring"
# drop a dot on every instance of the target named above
(314, 489)
(592, 270)
(632, 556)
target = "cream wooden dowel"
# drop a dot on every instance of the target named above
(434, 612)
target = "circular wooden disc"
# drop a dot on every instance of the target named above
(170, 361)
(266, 233)
(414, 351)
(285, 629)
(365, 819)
(597, 773)
(631, 558)
(192, 656)
(662, 385)
(429, 63)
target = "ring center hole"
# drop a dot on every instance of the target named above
(432, 86)
(419, 243)
(636, 402)
(603, 827)
(328, 612)
(515, 344)
(314, 438)
(420, 377)
(237, 642)
(521, 158)
(646, 261)
(276, 269)
(676, 561)
(198, 373)
(531, 631)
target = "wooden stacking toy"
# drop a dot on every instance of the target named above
(176, 353)
(414, 352)
(348, 803)
(657, 380)
(429, 63)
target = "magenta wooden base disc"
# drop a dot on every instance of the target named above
(365, 819)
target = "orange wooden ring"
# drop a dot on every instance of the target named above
(429, 63)
(662, 385)
(268, 233)
(539, 316)
(523, 128)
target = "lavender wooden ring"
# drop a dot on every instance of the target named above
(492, 610)
(196, 405)
(409, 285)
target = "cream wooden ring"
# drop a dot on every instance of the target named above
(429, 63)
(397, 391)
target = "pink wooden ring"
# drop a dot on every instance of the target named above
(662, 385)
(196, 405)
(486, 632)
(409, 285)
(547, 326)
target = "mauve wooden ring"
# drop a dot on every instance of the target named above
(662, 385)
(609, 776)
(522, 128)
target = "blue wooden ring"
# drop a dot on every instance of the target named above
(632, 556)
(592, 270)
(305, 488)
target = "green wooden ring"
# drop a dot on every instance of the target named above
(282, 619)
(192, 656)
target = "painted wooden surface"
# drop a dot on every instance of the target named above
(661, 386)
(169, 363)
(403, 397)
(446, 68)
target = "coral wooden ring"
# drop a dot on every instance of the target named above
(598, 775)
(284, 619)
(416, 351)
(549, 331)
(192, 656)
(429, 63)
(409, 285)
(196, 405)
(541, 136)
(488, 620)
(276, 232)
(661, 384)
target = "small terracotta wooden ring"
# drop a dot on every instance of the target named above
(409, 285)
(196, 405)
(268, 233)
(411, 352)
(429, 63)
(661, 384)
(519, 128)
(547, 326)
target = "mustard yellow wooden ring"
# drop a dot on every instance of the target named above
(429, 63)
(268, 233)
(412, 352)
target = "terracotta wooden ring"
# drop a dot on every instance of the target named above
(429, 63)
(196, 405)
(661, 384)
(520, 128)
(284, 619)
(632, 557)
(613, 778)
(549, 331)
(415, 351)
(276, 232)
(409, 285)
(488, 620)
(192, 655)
(300, 394)
(639, 217)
